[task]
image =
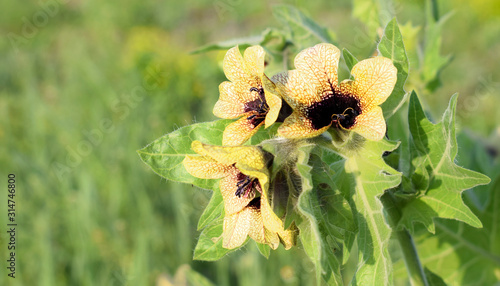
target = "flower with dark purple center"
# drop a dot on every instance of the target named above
(249, 95)
(320, 102)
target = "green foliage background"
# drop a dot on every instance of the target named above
(91, 213)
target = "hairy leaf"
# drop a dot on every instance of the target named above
(434, 174)
(320, 211)
(363, 176)
(165, 154)
(461, 254)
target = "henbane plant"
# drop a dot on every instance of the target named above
(302, 157)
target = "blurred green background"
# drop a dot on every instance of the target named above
(84, 84)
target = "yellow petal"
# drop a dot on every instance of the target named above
(374, 80)
(205, 168)
(228, 187)
(319, 65)
(371, 124)
(235, 229)
(245, 157)
(254, 60)
(271, 220)
(314, 78)
(239, 131)
(228, 110)
(272, 238)
(236, 69)
(257, 231)
(246, 222)
(287, 238)
(231, 104)
(298, 126)
(297, 92)
(273, 100)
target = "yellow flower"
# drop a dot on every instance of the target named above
(318, 101)
(244, 186)
(249, 94)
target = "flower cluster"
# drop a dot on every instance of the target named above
(318, 102)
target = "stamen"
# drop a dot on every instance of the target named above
(255, 89)
(341, 119)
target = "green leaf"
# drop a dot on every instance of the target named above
(371, 178)
(316, 232)
(213, 210)
(349, 59)
(266, 37)
(464, 255)
(432, 61)
(264, 249)
(363, 176)
(434, 173)
(302, 30)
(165, 154)
(391, 46)
(209, 246)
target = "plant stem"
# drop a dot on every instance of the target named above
(410, 255)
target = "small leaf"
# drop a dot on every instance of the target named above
(302, 30)
(209, 246)
(213, 210)
(391, 46)
(264, 249)
(349, 59)
(434, 173)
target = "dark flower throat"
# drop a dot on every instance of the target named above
(337, 108)
(258, 106)
(246, 186)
